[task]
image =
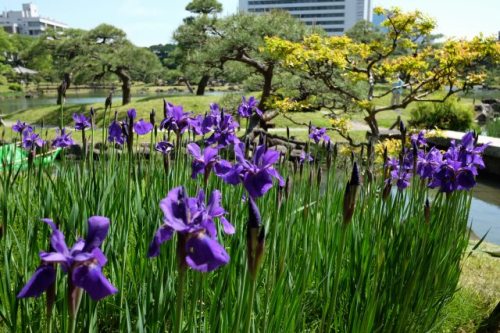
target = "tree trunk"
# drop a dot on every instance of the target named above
(188, 85)
(126, 98)
(372, 122)
(255, 120)
(200, 91)
(266, 88)
(126, 85)
(61, 91)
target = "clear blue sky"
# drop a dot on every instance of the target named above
(148, 22)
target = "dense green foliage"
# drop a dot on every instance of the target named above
(191, 38)
(361, 72)
(12, 53)
(390, 267)
(450, 115)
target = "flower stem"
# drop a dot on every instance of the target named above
(336, 282)
(250, 305)
(181, 268)
(180, 300)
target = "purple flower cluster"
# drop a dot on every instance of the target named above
(176, 119)
(19, 127)
(83, 262)
(204, 162)
(256, 175)
(63, 139)
(246, 108)
(31, 140)
(81, 122)
(305, 157)
(116, 132)
(164, 147)
(450, 171)
(222, 125)
(194, 222)
(318, 134)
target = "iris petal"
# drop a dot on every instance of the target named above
(91, 279)
(42, 279)
(161, 236)
(205, 254)
(98, 229)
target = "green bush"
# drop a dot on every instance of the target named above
(230, 102)
(15, 87)
(450, 115)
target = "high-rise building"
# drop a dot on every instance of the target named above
(28, 21)
(335, 16)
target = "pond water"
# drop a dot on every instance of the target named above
(485, 210)
(13, 105)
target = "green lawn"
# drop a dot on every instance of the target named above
(479, 291)
(50, 115)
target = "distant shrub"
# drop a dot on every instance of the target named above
(449, 115)
(230, 102)
(15, 87)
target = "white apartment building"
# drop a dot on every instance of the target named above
(335, 16)
(28, 21)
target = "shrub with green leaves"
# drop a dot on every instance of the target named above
(15, 87)
(450, 115)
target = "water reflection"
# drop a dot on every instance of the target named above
(485, 209)
(12, 105)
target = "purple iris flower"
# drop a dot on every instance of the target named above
(19, 127)
(81, 122)
(246, 107)
(468, 154)
(318, 134)
(194, 221)
(63, 140)
(392, 164)
(419, 139)
(401, 177)
(115, 133)
(428, 164)
(164, 147)
(214, 108)
(305, 157)
(83, 262)
(204, 162)
(195, 124)
(131, 114)
(32, 140)
(451, 177)
(175, 119)
(401, 170)
(142, 127)
(224, 130)
(257, 175)
(459, 166)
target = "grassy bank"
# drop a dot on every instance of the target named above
(478, 294)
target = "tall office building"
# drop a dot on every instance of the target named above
(335, 16)
(28, 21)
